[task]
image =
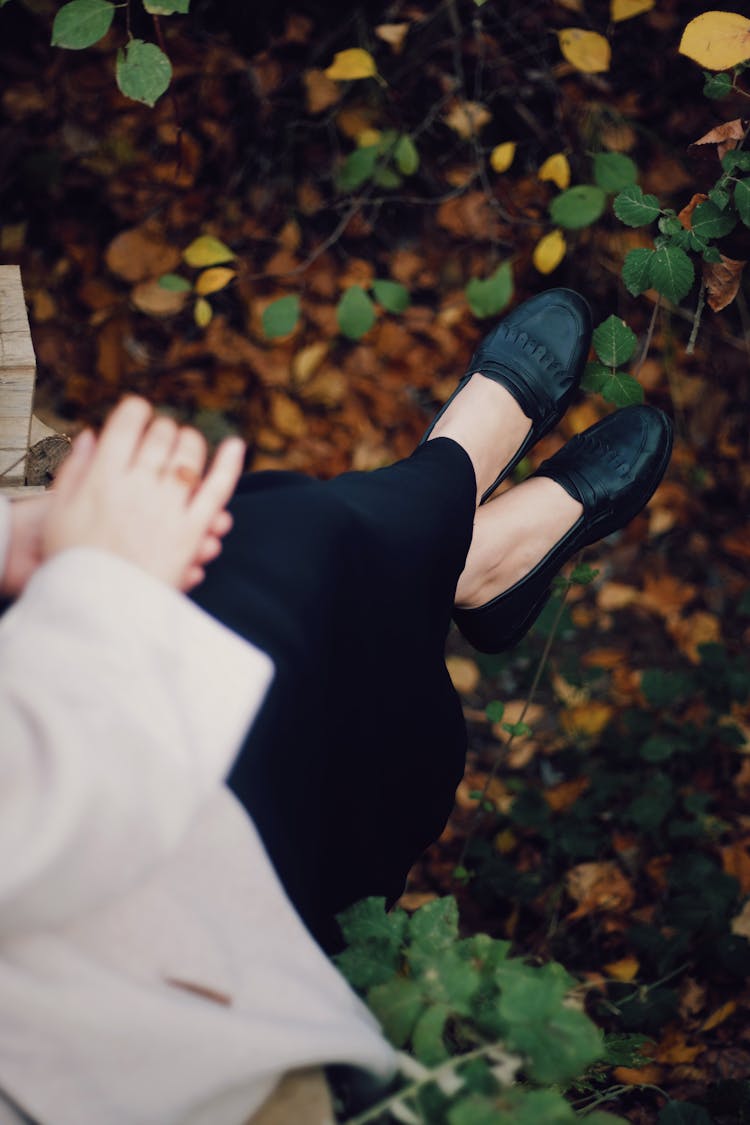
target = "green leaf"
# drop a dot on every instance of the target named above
(280, 317)
(709, 222)
(742, 200)
(174, 283)
(717, 85)
(406, 155)
(614, 171)
(367, 921)
(621, 389)
(166, 7)
(634, 208)
(386, 178)
(435, 925)
(734, 159)
(672, 272)
(490, 296)
(720, 197)
(374, 962)
(662, 688)
(495, 709)
(657, 748)
(355, 313)
(358, 168)
(143, 71)
(614, 342)
(578, 206)
(583, 574)
(648, 810)
(81, 23)
(392, 295)
(593, 377)
(427, 1038)
(683, 1113)
(398, 1005)
(636, 270)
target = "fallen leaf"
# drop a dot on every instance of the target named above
(393, 34)
(587, 51)
(686, 214)
(717, 40)
(665, 594)
(735, 860)
(737, 543)
(722, 280)
(139, 254)
(674, 1049)
(352, 64)
(625, 969)
(597, 887)
(726, 136)
(206, 251)
(557, 169)
(567, 693)
(741, 922)
(564, 796)
(307, 361)
(700, 628)
(692, 998)
(321, 92)
(464, 674)
(638, 1076)
(549, 251)
(286, 416)
(615, 595)
(151, 298)
(202, 312)
(625, 9)
(586, 721)
(467, 118)
(720, 1015)
(602, 658)
(213, 279)
(502, 156)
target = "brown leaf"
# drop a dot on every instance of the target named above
(737, 543)
(152, 298)
(735, 860)
(598, 887)
(467, 118)
(321, 92)
(722, 280)
(700, 628)
(139, 254)
(722, 1013)
(666, 595)
(393, 34)
(725, 136)
(565, 795)
(286, 416)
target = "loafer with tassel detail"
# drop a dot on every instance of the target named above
(613, 470)
(538, 353)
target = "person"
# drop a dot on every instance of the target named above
(193, 787)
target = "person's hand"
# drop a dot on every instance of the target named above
(25, 544)
(142, 492)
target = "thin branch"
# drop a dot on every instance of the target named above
(649, 336)
(696, 319)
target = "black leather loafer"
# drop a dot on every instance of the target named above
(613, 469)
(538, 353)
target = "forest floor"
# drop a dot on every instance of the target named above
(612, 834)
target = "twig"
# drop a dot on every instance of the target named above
(649, 336)
(696, 319)
(527, 703)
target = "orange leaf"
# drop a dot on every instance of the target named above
(138, 254)
(598, 887)
(467, 118)
(625, 969)
(321, 92)
(721, 1014)
(686, 214)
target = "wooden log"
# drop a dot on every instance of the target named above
(17, 375)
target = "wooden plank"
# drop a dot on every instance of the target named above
(17, 375)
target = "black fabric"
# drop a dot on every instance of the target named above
(350, 769)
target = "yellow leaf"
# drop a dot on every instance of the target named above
(467, 118)
(587, 721)
(464, 673)
(717, 40)
(202, 312)
(626, 9)
(212, 280)
(557, 169)
(207, 251)
(721, 1014)
(368, 137)
(549, 251)
(502, 155)
(586, 50)
(350, 64)
(624, 970)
